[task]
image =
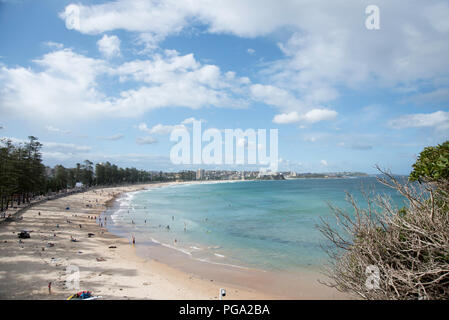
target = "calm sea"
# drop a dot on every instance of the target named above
(268, 225)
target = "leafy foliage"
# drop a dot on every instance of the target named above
(432, 164)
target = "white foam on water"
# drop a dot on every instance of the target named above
(172, 247)
(223, 264)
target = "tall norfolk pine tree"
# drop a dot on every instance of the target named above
(21, 171)
(23, 175)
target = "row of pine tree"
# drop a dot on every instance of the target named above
(23, 175)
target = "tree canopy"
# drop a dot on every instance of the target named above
(23, 175)
(432, 164)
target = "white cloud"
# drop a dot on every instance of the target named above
(324, 163)
(64, 147)
(146, 140)
(329, 47)
(68, 87)
(251, 51)
(329, 50)
(54, 129)
(438, 120)
(312, 116)
(109, 46)
(285, 118)
(317, 115)
(114, 137)
(191, 120)
(52, 44)
(275, 96)
(160, 128)
(153, 19)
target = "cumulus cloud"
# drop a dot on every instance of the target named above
(328, 50)
(285, 118)
(109, 46)
(68, 86)
(329, 47)
(65, 88)
(317, 115)
(275, 96)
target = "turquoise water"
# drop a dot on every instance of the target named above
(269, 225)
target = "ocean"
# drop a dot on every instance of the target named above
(265, 225)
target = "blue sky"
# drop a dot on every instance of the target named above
(344, 98)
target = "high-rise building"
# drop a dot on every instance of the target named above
(200, 174)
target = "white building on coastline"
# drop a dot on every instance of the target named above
(200, 174)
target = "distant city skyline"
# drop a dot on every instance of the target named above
(112, 85)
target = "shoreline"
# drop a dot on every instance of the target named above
(114, 273)
(277, 286)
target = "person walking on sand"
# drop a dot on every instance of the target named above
(134, 240)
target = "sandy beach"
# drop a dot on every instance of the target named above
(109, 266)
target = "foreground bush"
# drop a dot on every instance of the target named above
(384, 252)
